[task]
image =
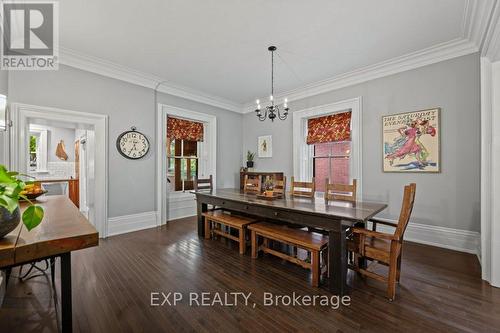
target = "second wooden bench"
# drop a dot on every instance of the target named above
(310, 241)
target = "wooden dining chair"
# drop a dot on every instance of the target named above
(302, 189)
(280, 186)
(383, 248)
(203, 183)
(252, 185)
(341, 192)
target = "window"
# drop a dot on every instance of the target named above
(327, 144)
(33, 152)
(182, 163)
(184, 145)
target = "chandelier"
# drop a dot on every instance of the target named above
(272, 111)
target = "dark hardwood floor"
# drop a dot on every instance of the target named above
(440, 290)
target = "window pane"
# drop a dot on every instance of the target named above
(321, 172)
(341, 148)
(322, 149)
(190, 148)
(340, 170)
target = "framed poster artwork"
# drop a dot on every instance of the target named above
(412, 141)
(265, 146)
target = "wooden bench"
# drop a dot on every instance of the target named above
(310, 241)
(215, 219)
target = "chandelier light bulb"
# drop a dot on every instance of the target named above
(285, 104)
(271, 98)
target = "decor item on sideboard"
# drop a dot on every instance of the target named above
(12, 190)
(268, 186)
(412, 141)
(265, 144)
(272, 111)
(132, 144)
(250, 158)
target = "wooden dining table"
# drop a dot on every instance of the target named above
(335, 217)
(63, 230)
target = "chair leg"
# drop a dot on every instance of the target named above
(207, 228)
(315, 268)
(398, 273)
(242, 240)
(391, 281)
(254, 244)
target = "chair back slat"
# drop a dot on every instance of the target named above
(203, 183)
(406, 209)
(341, 192)
(252, 185)
(302, 189)
(280, 186)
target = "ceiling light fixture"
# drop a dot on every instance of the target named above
(272, 111)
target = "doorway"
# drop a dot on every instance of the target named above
(81, 141)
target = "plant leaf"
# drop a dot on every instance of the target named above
(32, 216)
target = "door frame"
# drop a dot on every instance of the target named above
(20, 115)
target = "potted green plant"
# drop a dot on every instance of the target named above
(11, 191)
(250, 158)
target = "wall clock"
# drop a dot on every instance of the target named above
(132, 144)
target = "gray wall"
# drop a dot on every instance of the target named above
(131, 183)
(450, 198)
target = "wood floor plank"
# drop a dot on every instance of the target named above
(440, 291)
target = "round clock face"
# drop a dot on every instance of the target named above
(132, 144)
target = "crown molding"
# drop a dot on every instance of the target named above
(480, 31)
(444, 51)
(490, 46)
(107, 68)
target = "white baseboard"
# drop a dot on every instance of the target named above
(179, 208)
(128, 223)
(448, 238)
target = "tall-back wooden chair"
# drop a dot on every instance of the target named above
(203, 184)
(342, 192)
(280, 186)
(302, 189)
(252, 185)
(384, 248)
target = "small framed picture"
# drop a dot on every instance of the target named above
(265, 146)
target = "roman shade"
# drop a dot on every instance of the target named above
(332, 128)
(182, 129)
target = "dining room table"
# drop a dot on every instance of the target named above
(333, 217)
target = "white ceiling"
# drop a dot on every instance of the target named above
(219, 47)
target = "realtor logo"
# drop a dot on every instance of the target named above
(30, 35)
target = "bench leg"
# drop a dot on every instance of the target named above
(254, 244)
(242, 236)
(207, 228)
(315, 268)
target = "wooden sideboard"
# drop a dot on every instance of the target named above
(275, 175)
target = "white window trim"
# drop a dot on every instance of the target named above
(302, 163)
(207, 156)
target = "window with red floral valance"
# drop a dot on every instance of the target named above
(182, 129)
(332, 128)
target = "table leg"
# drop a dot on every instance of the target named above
(201, 208)
(337, 262)
(66, 303)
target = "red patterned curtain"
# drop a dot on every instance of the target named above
(182, 129)
(335, 127)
